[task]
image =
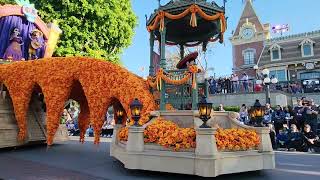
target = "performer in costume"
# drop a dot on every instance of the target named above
(35, 43)
(14, 52)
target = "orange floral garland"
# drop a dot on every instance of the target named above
(193, 9)
(101, 81)
(157, 80)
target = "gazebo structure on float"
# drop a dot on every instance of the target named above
(187, 23)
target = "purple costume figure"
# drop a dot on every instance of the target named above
(14, 52)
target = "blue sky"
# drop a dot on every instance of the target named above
(302, 16)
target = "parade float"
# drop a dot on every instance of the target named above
(172, 127)
(24, 36)
(185, 136)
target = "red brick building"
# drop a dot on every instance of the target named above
(248, 41)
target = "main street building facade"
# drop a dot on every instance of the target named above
(289, 58)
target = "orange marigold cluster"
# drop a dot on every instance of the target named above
(123, 134)
(236, 139)
(166, 134)
(169, 135)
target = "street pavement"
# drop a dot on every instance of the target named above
(74, 161)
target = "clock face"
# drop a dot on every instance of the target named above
(247, 33)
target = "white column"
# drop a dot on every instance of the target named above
(116, 129)
(206, 142)
(265, 141)
(135, 139)
(206, 153)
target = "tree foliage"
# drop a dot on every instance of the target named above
(95, 28)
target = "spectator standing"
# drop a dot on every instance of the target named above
(228, 84)
(220, 85)
(65, 117)
(235, 83)
(104, 132)
(297, 111)
(310, 115)
(110, 125)
(288, 115)
(224, 86)
(245, 79)
(278, 117)
(243, 114)
(213, 86)
(267, 118)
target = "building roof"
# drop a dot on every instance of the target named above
(250, 14)
(291, 48)
(177, 6)
(180, 31)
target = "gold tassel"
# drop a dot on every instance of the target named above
(161, 24)
(193, 20)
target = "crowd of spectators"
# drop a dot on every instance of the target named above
(243, 84)
(70, 119)
(232, 84)
(294, 129)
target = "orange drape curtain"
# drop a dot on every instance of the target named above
(193, 9)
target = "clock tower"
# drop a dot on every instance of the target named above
(248, 41)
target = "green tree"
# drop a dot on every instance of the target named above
(95, 28)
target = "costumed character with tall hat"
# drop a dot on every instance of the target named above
(13, 51)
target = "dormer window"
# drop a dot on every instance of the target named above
(248, 56)
(307, 48)
(275, 52)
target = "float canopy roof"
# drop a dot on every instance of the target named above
(179, 31)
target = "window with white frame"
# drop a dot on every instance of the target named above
(248, 56)
(307, 48)
(275, 52)
(279, 74)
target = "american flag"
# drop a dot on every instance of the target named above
(280, 28)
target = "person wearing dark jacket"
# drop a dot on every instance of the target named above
(310, 138)
(278, 117)
(295, 139)
(228, 84)
(297, 111)
(282, 139)
(310, 114)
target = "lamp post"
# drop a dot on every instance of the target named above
(205, 109)
(266, 81)
(119, 115)
(136, 107)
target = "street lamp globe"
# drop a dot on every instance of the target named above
(259, 82)
(255, 67)
(265, 72)
(267, 80)
(274, 80)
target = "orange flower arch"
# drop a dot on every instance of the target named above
(96, 83)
